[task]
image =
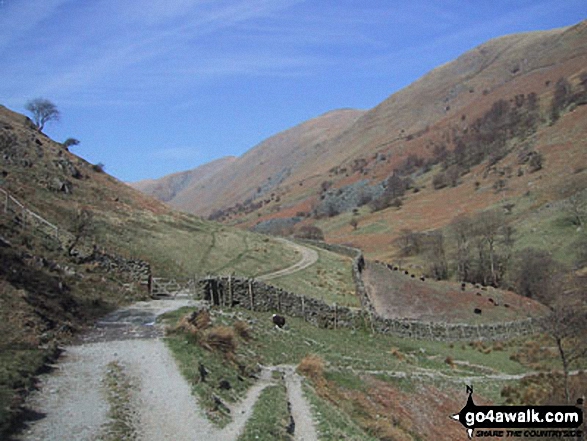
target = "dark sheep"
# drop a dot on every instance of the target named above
(278, 320)
(491, 300)
(477, 311)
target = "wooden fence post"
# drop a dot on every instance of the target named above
(303, 308)
(230, 290)
(251, 294)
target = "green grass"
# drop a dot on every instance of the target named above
(270, 417)
(189, 356)
(119, 386)
(17, 368)
(351, 357)
(184, 245)
(357, 350)
(329, 279)
(549, 229)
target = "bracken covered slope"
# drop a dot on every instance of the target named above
(475, 123)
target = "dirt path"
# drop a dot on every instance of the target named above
(300, 410)
(309, 257)
(162, 406)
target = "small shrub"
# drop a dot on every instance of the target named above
(448, 360)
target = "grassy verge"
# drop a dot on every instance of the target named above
(363, 376)
(17, 368)
(118, 386)
(329, 279)
(270, 417)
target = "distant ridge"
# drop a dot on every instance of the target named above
(168, 187)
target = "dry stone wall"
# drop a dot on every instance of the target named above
(228, 291)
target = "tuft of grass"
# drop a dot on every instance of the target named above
(222, 339)
(242, 329)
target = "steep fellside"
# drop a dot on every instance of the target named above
(76, 243)
(257, 173)
(284, 176)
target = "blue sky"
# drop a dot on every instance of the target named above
(154, 87)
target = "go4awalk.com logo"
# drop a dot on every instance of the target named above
(518, 421)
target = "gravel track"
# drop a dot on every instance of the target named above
(309, 257)
(73, 397)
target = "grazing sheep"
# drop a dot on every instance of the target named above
(279, 321)
(477, 311)
(491, 300)
(463, 286)
(422, 278)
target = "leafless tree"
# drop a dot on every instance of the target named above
(81, 228)
(578, 208)
(42, 111)
(567, 325)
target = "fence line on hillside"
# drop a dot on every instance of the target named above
(28, 218)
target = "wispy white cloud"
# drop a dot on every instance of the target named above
(176, 154)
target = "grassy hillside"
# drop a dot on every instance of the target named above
(325, 166)
(361, 386)
(50, 289)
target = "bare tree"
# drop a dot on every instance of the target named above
(535, 273)
(578, 208)
(42, 111)
(462, 231)
(567, 325)
(82, 228)
(488, 226)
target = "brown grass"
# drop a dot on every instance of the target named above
(242, 329)
(448, 360)
(221, 338)
(312, 366)
(397, 354)
(194, 322)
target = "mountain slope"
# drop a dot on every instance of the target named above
(264, 167)
(170, 187)
(98, 242)
(477, 120)
(470, 84)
